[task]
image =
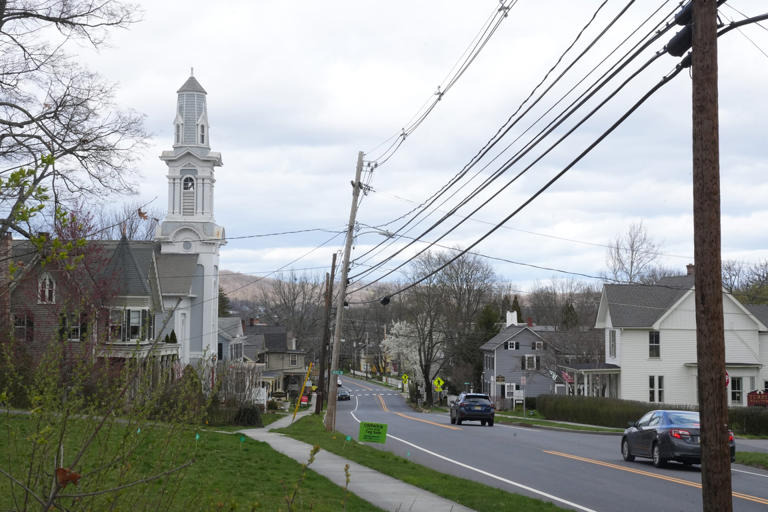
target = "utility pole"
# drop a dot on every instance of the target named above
(330, 415)
(322, 385)
(710, 342)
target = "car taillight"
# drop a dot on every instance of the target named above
(463, 404)
(680, 434)
(730, 436)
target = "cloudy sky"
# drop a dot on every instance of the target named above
(296, 89)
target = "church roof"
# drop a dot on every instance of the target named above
(176, 272)
(192, 85)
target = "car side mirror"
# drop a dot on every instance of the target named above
(632, 424)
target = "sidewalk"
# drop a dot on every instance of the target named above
(381, 490)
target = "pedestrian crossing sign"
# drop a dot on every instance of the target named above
(438, 382)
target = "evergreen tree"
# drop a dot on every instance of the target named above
(570, 317)
(224, 303)
(516, 307)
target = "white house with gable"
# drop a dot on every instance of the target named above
(650, 334)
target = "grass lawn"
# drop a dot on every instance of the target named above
(229, 472)
(756, 459)
(466, 492)
(534, 420)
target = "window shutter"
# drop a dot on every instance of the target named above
(538, 362)
(126, 323)
(144, 325)
(522, 363)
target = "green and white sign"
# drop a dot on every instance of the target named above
(372, 432)
(338, 372)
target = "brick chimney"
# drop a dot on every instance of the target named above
(691, 269)
(530, 321)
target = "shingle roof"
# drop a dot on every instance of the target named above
(759, 310)
(275, 337)
(506, 333)
(229, 326)
(127, 268)
(176, 272)
(191, 85)
(637, 305)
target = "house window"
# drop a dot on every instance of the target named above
(538, 345)
(751, 384)
(531, 363)
(189, 183)
(116, 325)
(654, 344)
(510, 389)
(294, 360)
(46, 290)
(73, 327)
(512, 345)
(737, 391)
(656, 388)
(765, 385)
(23, 329)
(202, 134)
(612, 343)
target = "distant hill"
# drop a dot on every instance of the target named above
(239, 286)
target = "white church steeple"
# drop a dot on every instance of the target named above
(189, 234)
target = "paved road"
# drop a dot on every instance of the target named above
(574, 470)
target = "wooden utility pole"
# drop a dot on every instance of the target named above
(710, 342)
(330, 415)
(323, 384)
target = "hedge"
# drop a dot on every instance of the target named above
(612, 412)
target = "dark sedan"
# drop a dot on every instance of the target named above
(473, 407)
(343, 394)
(666, 435)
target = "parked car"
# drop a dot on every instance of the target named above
(338, 381)
(343, 394)
(666, 435)
(473, 407)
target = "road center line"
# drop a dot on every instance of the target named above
(680, 481)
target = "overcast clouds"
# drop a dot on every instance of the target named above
(295, 89)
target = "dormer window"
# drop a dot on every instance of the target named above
(46, 290)
(202, 134)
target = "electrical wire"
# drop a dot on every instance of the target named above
(666, 79)
(541, 137)
(494, 140)
(470, 54)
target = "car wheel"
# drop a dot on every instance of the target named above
(490, 423)
(625, 451)
(458, 420)
(482, 423)
(453, 420)
(658, 461)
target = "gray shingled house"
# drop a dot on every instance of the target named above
(285, 365)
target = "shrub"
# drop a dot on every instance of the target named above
(249, 415)
(272, 405)
(749, 420)
(413, 392)
(612, 412)
(530, 403)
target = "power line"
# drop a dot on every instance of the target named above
(666, 79)
(470, 54)
(517, 157)
(494, 140)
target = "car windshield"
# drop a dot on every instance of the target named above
(683, 418)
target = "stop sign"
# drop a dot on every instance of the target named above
(727, 378)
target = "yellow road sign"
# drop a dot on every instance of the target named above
(438, 382)
(404, 378)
